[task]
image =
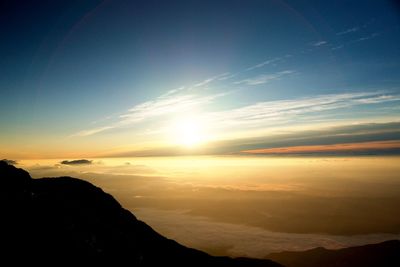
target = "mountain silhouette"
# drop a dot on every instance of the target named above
(385, 254)
(65, 221)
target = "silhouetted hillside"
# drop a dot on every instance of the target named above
(374, 255)
(60, 221)
(63, 221)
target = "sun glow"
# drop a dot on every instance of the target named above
(188, 132)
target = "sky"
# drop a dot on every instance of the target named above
(165, 78)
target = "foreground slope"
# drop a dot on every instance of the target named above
(64, 220)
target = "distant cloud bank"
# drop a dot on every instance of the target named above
(76, 162)
(392, 146)
(347, 139)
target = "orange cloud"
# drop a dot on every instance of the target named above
(346, 147)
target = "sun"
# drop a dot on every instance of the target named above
(188, 132)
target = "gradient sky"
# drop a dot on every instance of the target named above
(127, 78)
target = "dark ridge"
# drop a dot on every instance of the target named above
(385, 254)
(10, 161)
(64, 221)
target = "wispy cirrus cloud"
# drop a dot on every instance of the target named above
(174, 91)
(220, 77)
(257, 115)
(223, 78)
(337, 47)
(356, 28)
(262, 64)
(364, 38)
(181, 99)
(264, 78)
(267, 62)
(378, 99)
(360, 39)
(93, 131)
(293, 109)
(209, 80)
(349, 30)
(319, 43)
(161, 106)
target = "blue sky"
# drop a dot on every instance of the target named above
(123, 75)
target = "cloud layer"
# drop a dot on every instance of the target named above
(240, 240)
(76, 162)
(353, 148)
(253, 206)
(351, 139)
